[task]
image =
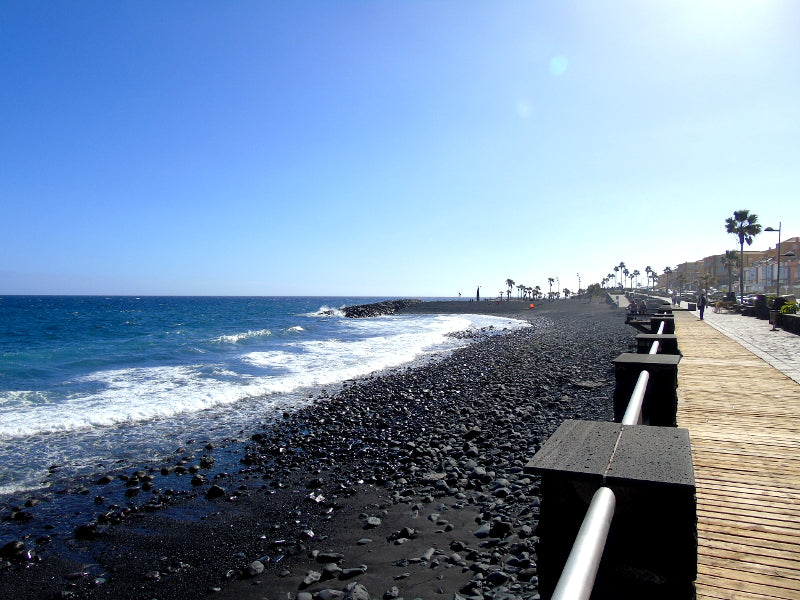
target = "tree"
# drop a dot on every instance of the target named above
(667, 272)
(745, 226)
(510, 286)
(681, 281)
(730, 261)
(550, 280)
(648, 271)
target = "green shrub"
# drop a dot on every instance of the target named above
(790, 308)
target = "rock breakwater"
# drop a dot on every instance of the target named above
(376, 309)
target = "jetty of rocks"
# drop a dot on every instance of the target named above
(376, 309)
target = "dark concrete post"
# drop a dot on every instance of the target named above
(669, 323)
(651, 551)
(668, 343)
(660, 405)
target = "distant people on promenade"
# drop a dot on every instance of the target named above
(701, 305)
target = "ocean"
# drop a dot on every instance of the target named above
(91, 384)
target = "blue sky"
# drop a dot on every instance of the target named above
(387, 148)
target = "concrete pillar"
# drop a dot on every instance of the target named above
(660, 405)
(668, 343)
(651, 551)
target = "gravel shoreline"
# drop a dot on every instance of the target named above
(407, 484)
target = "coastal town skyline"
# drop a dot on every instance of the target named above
(370, 149)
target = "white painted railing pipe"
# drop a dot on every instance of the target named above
(577, 578)
(633, 414)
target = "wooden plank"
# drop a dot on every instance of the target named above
(751, 528)
(772, 519)
(743, 418)
(737, 551)
(762, 491)
(712, 592)
(754, 567)
(767, 586)
(712, 531)
(724, 503)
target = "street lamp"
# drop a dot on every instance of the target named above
(778, 282)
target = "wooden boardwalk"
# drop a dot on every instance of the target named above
(743, 418)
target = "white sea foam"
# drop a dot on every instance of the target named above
(134, 395)
(238, 337)
(387, 342)
(325, 311)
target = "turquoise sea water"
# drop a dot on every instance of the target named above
(91, 382)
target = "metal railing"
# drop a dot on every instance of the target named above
(580, 570)
(577, 578)
(633, 413)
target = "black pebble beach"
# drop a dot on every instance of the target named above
(408, 484)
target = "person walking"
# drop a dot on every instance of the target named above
(701, 305)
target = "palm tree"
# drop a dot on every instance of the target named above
(550, 280)
(537, 291)
(616, 271)
(729, 262)
(626, 273)
(745, 226)
(510, 286)
(648, 270)
(635, 275)
(667, 272)
(681, 281)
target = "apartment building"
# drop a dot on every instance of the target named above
(760, 271)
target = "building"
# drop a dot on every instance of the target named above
(763, 275)
(760, 271)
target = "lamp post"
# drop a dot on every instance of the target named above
(778, 281)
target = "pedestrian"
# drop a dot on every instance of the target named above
(701, 305)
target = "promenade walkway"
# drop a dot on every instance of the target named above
(743, 417)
